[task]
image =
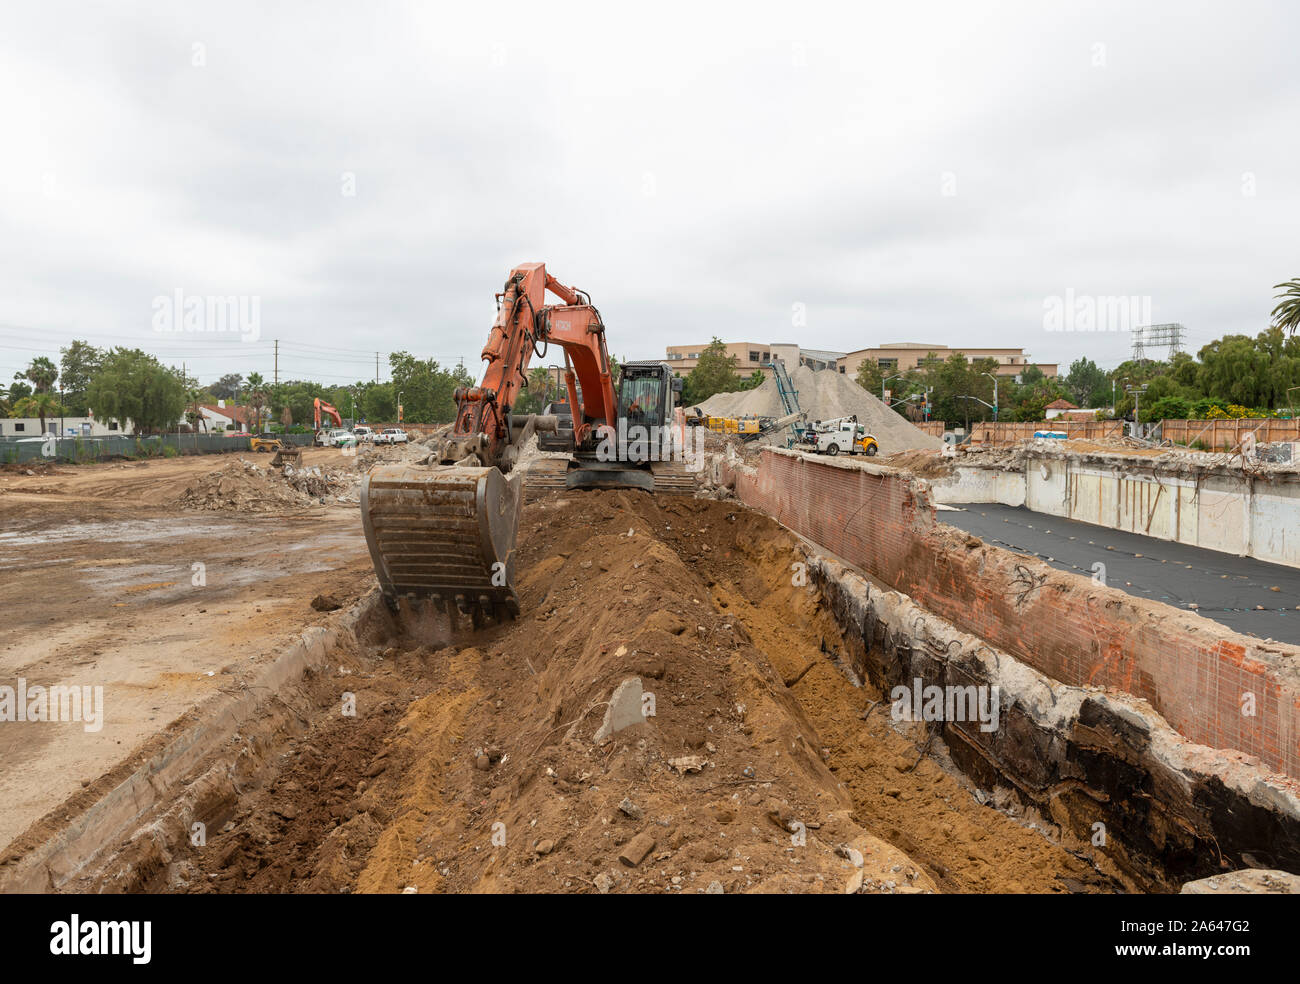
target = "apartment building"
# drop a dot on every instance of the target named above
(903, 356)
(754, 355)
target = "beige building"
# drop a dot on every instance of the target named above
(903, 356)
(754, 355)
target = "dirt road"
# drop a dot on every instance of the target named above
(104, 582)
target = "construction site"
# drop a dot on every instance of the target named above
(676, 658)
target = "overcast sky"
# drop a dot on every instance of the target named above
(895, 172)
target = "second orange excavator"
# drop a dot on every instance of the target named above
(447, 532)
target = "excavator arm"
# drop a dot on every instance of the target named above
(525, 327)
(319, 406)
(447, 533)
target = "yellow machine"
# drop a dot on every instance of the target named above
(285, 454)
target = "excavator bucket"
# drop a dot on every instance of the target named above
(445, 533)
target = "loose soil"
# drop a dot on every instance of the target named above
(471, 765)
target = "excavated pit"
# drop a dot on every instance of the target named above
(433, 758)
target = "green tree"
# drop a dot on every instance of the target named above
(41, 373)
(257, 398)
(227, 386)
(42, 405)
(1286, 315)
(426, 388)
(869, 376)
(1086, 385)
(295, 399)
(132, 385)
(714, 372)
(78, 364)
(537, 393)
(379, 402)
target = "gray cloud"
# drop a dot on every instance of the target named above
(697, 171)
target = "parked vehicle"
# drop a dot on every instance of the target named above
(363, 434)
(843, 435)
(391, 435)
(341, 437)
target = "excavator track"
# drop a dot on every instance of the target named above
(446, 534)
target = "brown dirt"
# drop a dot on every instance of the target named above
(922, 464)
(244, 486)
(471, 764)
(97, 587)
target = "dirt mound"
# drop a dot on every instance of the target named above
(242, 486)
(478, 763)
(823, 396)
(923, 464)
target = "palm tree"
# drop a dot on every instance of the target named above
(1287, 313)
(539, 379)
(256, 400)
(192, 413)
(41, 374)
(37, 405)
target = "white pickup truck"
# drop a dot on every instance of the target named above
(391, 435)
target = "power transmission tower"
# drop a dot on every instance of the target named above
(1168, 337)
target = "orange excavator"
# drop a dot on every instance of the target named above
(447, 532)
(320, 406)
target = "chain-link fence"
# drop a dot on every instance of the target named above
(77, 450)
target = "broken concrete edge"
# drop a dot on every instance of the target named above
(104, 823)
(1248, 881)
(1174, 461)
(1148, 633)
(623, 711)
(1080, 756)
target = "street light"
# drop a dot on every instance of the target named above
(1136, 392)
(886, 379)
(995, 395)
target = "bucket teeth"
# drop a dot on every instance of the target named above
(444, 533)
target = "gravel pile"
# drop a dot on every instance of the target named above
(823, 396)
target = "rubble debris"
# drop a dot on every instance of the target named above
(624, 709)
(635, 851)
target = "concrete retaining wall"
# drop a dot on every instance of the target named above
(1197, 674)
(1232, 512)
(1117, 783)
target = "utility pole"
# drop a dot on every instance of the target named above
(277, 362)
(376, 368)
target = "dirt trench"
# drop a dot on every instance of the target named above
(470, 763)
